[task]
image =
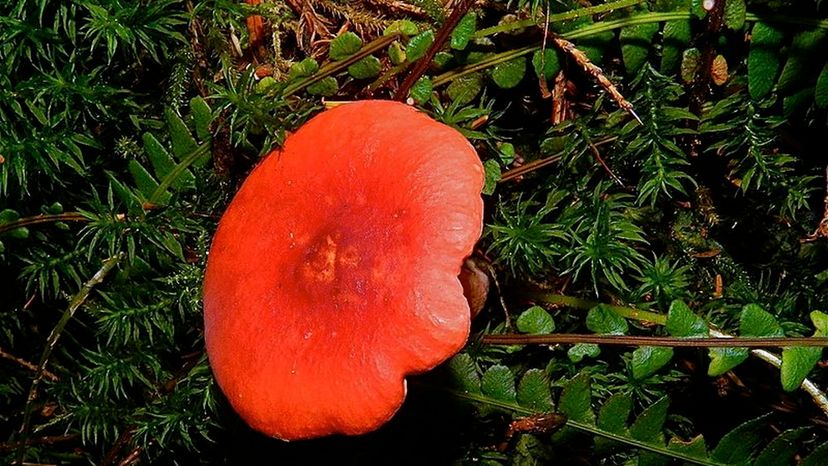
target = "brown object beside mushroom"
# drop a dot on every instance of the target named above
(334, 271)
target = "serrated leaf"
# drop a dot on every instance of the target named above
(465, 88)
(613, 415)
(697, 448)
(533, 391)
(821, 89)
(419, 44)
(756, 322)
(202, 117)
(601, 319)
(125, 194)
(576, 399)
(800, 65)
(464, 31)
(183, 142)
(368, 67)
(781, 450)
(463, 373)
(8, 216)
(325, 87)
(396, 53)
(303, 69)
(763, 59)
(724, 359)
(163, 163)
(546, 63)
(797, 363)
(684, 323)
(491, 171)
(798, 101)
(143, 179)
(421, 90)
(740, 442)
(647, 360)
(506, 152)
(690, 64)
(344, 45)
(817, 457)
(37, 112)
(649, 424)
(734, 14)
(509, 74)
(535, 320)
(820, 321)
(635, 45)
(499, 383)
(172, 245)
(11, 215)
(676, 37)
(401, 26)
(578, 352)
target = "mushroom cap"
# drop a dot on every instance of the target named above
(334, 271)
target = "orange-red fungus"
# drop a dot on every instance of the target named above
(334, 271)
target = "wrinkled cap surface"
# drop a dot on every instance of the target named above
(333, 273)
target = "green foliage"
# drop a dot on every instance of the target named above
(126, 125)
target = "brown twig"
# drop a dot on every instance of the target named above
(627, 340)
(593, 70)
(202, 65)
(701, 85)
(32, 367)
(45, 440)
(822, 229)
(43, 218)
(442, 36)
(132, 457)
(528, 168)
(540, 163)
(604, 164)
(122, 440)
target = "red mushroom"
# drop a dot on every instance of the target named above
(333, 273)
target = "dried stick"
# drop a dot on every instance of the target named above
(673, 342)
(442, 36)
(49, 375)
(593, 70)
(43, 218)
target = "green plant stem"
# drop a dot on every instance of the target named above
(590, 30)
(586, 304)
(809, 387)
(672, 342)
(46, 218)
(337, 66)
(653, 17)
(558, 17)
(483, 64)
(482, 399)
(177, 171)
(795, 20)
(8, 356)
(74, 304)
